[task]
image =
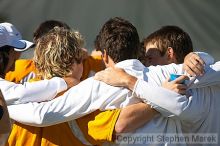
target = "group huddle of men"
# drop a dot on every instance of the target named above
(130, 98)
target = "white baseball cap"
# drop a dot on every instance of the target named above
(10, 36)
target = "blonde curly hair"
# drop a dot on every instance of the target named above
(56, 51)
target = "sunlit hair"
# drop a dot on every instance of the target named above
(80, 39)
(56, 52)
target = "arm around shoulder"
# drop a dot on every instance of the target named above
(32, 92)
(133, 117)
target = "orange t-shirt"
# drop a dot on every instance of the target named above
(22, 69)
(56, 135)
(91, 65)
(98, 126)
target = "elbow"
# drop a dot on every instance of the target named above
(179, 107)
(121, 127)
(177, 111)
(39, 122)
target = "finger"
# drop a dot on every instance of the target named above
(181, 86)
(167, 79)
(199, 59)
(194, 61)
(189, 70)
(181, 89)
(197, 67)
(198, 63)
(197, 70)
(182, 92)
(181, 79)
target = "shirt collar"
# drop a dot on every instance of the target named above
(130, 63)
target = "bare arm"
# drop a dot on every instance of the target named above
(133, 117)
(108, 76)
(136, 115)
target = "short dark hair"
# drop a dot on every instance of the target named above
(46, 26)
(119, 38)
(171, 36)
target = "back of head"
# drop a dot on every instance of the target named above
(46, 26)
(56, 51)
(119, 38)
(171, 36)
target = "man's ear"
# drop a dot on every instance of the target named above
(105, 57)
(171, 56)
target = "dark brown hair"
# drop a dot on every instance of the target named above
(119, 38)
(46, 26)
(170, 36)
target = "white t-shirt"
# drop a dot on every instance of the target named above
(90, 95)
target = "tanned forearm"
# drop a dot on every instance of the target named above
(133, 117)
(130, 81)
(108, 76)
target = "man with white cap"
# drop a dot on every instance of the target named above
(10, 36)
(11, 46)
